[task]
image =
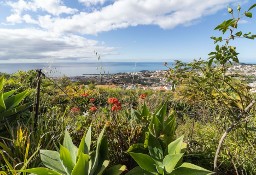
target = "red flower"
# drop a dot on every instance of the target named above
(113, 100)
(92, 100)
(84, 95)
(143, 96)
(93, 109)
(75, 109)
(116, 107)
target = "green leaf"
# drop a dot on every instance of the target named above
(254, 5)
(15, 100)
(137, 148)
(145, 111)
(66, 159)
(175, 146)
(154, 147)
(41, 171)
(15, 110)
(8, 94)
(144, 161)
(7, 163)
(2, 103)
(190, 169)
(170, 124)
(103, 167)
(98, 148)
(67, 143)
(210, 62)
(84, 146)
(82, 165)
(138, 171)
(248, 14)
(2, 80)
(171, 161)
(51, 159)
(155, 126)
(115, 170)
(239, 34)
(161, 113)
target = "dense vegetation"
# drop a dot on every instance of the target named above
(207, 120)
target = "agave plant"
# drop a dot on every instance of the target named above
(71, 160)
(164, 162)
(10, 102)
(159, 154)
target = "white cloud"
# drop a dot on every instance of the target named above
(166, 14)
(53, 7)
(92, 2)
(34, 44)
(55, 36)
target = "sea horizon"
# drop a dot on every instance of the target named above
(82, 68)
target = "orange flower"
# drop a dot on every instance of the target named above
(84, 95)
(75, 109)
(143, 96)
(92, 100)
(93, 109)
(113, 100)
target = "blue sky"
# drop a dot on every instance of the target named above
(119, 30)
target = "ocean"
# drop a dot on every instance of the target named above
(80, 69)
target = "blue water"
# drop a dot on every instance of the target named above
(78, 69)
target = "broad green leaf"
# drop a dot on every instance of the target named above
(138, 171)
(170, 125)
(51, 159)
(1, 83)
(145, 111)
(82, 165)
(15, 100)
(97, 154)
(84, 146)
(66, 159)
(103, 167)
(115, 170)
(41, 171)
(155, 126)
(137, 148)
(190, 169)
(254, 5)
(88, 139)
(248, 14)
(144, 161)
(8, 94)
(2, 103)
(161, 113)
(171, 161)
(67, 143)
(154, 147)
(175, 146)
(15, 110)
(103, 153)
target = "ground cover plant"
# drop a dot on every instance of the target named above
(209, 112)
